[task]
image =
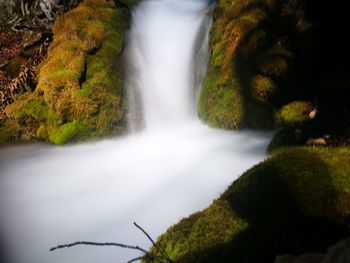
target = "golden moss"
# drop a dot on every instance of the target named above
(262, 88)
(80, 83)
(9, 130)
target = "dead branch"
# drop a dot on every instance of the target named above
(163, 257)
(158, 247)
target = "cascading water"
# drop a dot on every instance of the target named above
(175, 166)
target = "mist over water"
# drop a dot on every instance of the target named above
(173, 167)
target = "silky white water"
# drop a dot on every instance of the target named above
(94, 192)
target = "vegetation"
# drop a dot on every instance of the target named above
(80, 86)
(294, 202)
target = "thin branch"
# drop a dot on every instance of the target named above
(158, 247)
(88, 243)
(147, 255)
(146, 234)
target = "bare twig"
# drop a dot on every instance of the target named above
(158, 247)
(147, 255)
(88, 243)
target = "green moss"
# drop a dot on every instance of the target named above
(294, 202)
(232, 96)
(284, 137)
(9, 130)
(80, 86)
(42, 132)
(294, 113)
(37, 109)
(68, 132)
(220, 103)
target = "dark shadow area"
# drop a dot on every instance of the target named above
(276, 223)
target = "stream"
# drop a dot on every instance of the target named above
(169, 165)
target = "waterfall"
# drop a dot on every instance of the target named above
(167, 54)
(174, 167)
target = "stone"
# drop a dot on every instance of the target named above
(316, 141)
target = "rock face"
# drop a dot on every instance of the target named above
(79, 92)
(339, 253)
(294, 202)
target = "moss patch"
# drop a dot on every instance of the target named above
(294, 113)
(220, 104)
(284, 137)
(9, 130)
(294, 202)
(80, 86)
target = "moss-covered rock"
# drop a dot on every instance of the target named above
(80, 85)
(285, 137)
(294, 202)
(247, 59)
(295, 113)
(271, 55)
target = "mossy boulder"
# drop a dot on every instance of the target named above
(247, 61)
(296, 120)
(285, 137)
(80, 85)
(296, 201)
(295, 113)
